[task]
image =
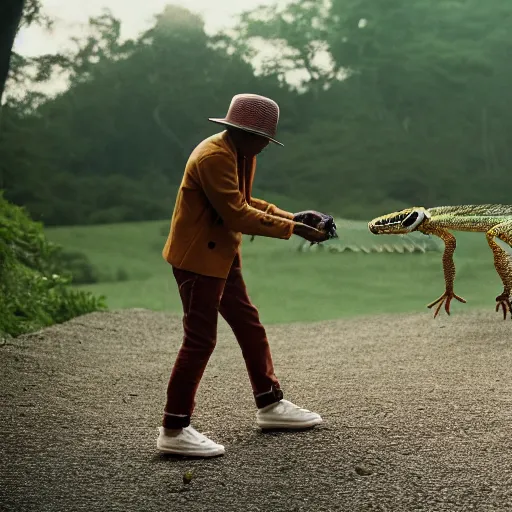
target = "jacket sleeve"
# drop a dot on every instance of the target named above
(218, 178)
(270, 208)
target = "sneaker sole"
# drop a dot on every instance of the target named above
(289, 425)
(174, 451)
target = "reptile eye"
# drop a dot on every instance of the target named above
(413, 220)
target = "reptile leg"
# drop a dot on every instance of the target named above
(449, 271)
(502, 264)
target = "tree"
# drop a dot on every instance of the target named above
(399, 102)
(417, 116)
(113, 146)
(10, 17)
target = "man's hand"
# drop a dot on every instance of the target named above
(317, 220)
(310, 234)
(309, 217)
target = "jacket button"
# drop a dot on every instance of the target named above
(211, 245)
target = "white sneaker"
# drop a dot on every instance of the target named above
(284, 414)
(188, 442)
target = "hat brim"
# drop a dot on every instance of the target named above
(233, 125)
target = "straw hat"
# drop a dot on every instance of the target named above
(254, 114)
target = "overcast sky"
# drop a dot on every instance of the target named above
(71, 16)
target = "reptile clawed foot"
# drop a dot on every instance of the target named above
(503, 302)
(445, 299)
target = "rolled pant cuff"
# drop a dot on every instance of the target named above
(175, 421)
(268, 398)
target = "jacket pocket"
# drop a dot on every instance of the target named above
(186, 291)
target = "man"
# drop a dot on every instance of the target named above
(214, 207)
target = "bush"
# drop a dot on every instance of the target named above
(33, 291)
(76, 266)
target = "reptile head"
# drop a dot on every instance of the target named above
(400, 222)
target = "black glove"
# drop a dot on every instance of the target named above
(317, 220)
(330, 227)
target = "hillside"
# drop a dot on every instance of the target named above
(288, 285)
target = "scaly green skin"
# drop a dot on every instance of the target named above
(495, 220)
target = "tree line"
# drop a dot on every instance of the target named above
(400, 102)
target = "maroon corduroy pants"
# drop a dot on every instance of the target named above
(203, 298)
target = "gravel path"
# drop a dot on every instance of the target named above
(417, 417)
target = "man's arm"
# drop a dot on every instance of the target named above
(270, 208)
(308, 217)
(218, 178)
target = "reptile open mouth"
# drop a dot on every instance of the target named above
(400, 222)
(392, 220)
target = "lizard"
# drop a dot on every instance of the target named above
(495, 220)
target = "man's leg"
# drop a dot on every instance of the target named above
(243, 318)
(200, 296)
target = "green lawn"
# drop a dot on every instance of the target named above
(288, 285)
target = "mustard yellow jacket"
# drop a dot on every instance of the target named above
(214, 208)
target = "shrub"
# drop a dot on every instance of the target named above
(77, 267)
(33, 291)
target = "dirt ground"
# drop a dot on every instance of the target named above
(417, 417)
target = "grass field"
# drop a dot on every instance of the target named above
(287, 285)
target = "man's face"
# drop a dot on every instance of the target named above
(252, 144)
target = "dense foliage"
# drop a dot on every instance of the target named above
(34, 289)
(401, 102)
